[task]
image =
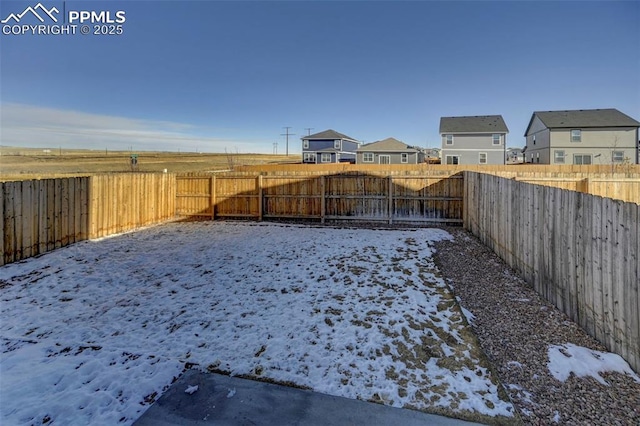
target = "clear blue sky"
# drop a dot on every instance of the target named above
(214, 75)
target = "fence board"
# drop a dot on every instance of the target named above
(42, 215)
(577, 250)
(352, 196)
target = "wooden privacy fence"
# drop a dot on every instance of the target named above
(616, 188)
(622, 170)
(41, 215)
(37, 216)
(325, 197)
(579, 251)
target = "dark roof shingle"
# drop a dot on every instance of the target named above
(473, 124)
(610, 117)
(328, 134)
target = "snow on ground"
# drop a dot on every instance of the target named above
(569, 358)
(95, 332)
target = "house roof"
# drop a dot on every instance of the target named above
(388, 144)
(329, 134)
(609, 117)
(473, 124)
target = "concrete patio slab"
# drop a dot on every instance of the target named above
(224, 400)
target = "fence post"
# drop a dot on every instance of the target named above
(322, 198)
(585, 185)
(213, 197)
(390, 199)
(260, 200)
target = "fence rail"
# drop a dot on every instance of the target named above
(579, 251)
(621, 170)
(430, 199)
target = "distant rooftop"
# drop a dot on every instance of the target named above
(329, 134)
(585, 118)
(473, 124)
(388, 144)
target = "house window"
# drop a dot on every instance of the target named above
(617, 156)
(309, 157)
(326, 157)
(483, 158)
(367, 157)
(404, 158)
(452, 159)
(537, 157)
(558, 156)
(496, 139)
(582, 159)
(449, 139)
(534, 139)
(576, 135)
(305, 144)
(336, 144)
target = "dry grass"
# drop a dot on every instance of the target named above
(34, 163)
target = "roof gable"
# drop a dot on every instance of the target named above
(388, 144)
(329, 134)
(473, 124)
(582, 118)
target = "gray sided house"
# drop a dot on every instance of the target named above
(329, 147)
(389, 151)
(480, 139)
(594, 136)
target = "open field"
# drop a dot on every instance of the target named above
(33, 163)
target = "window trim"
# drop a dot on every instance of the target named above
(365, 155)
(582, 159)
(337, 144)
(578, 137)
(534, 139)
(312, 155)
(493, 139)
(447, 138)
(613, 157)
(380, 157)
(457, 160)
(325, 155)
(559, 159)
(480, 154)
(305, 144)
(404, 157)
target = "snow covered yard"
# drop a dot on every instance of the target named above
(95, 332)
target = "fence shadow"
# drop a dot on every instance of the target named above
(336, 197)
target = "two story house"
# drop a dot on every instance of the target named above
(389, 151)
(329, 147)
(480, 139)
(595, 136)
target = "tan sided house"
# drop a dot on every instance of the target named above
(389, 151)
(594, 136)
(480, 139)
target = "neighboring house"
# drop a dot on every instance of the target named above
(389, 151)
(478, 139)
(515, 156)
(329, 147)
(593, 136)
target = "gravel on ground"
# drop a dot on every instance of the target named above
(516, 327)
